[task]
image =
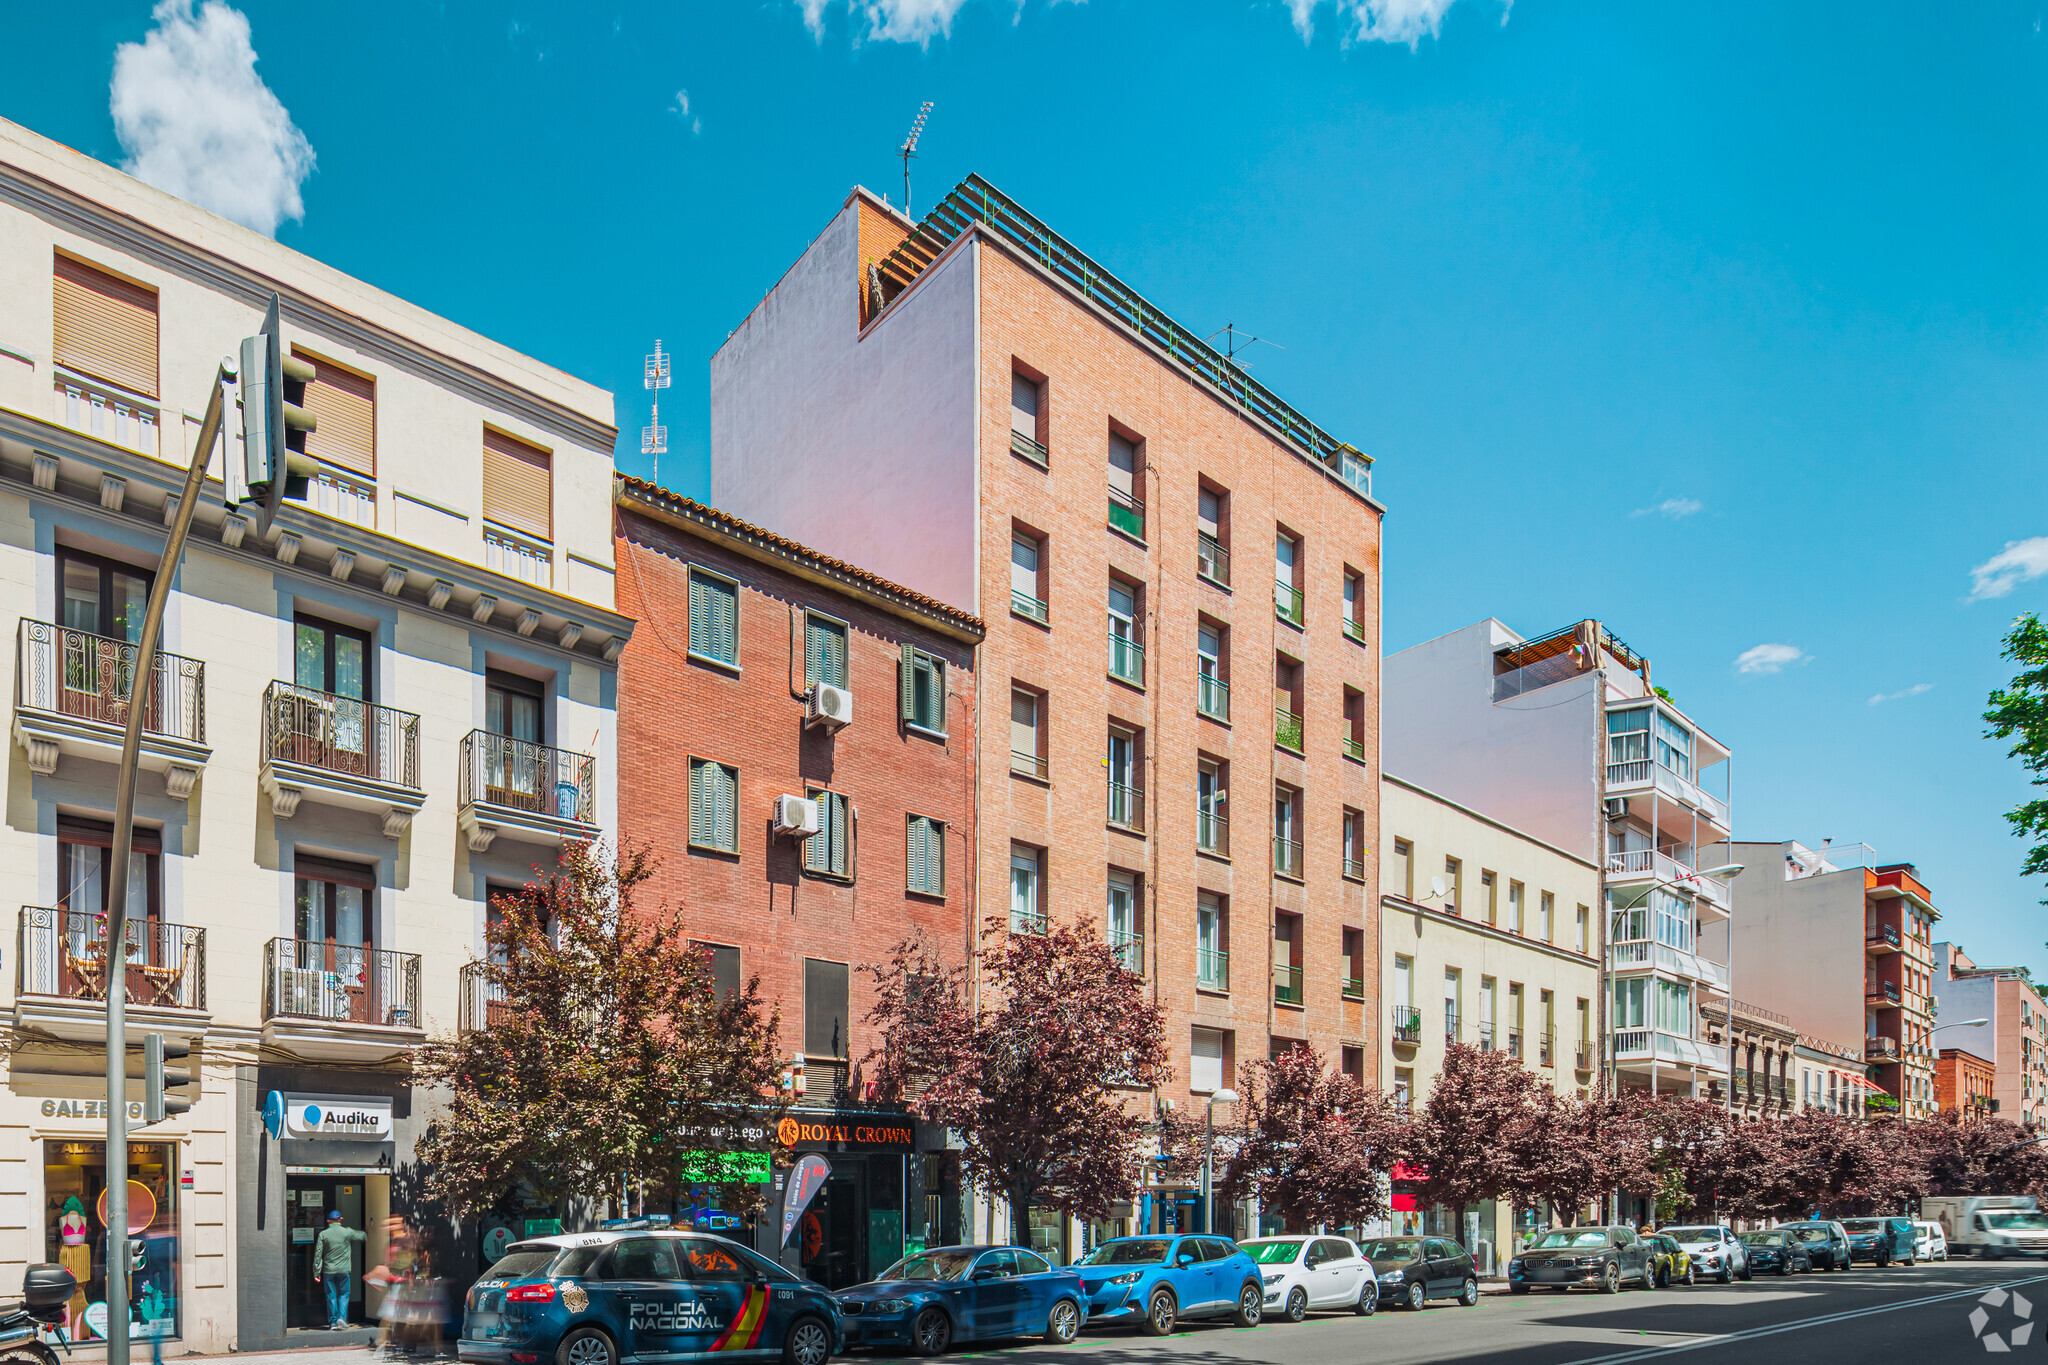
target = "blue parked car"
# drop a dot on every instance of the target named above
(1156, 1281)
(613, 1298)
(927, 1301)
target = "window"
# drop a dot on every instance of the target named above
(1212, 942)
(1453, 992)
(1404, 983)
(1354, 724)
(1212, 685)
(714, 618)
(824, 651)
(1354, 844)
(1352, 1064)
(1027, 906)
(333, 903)
(1126, 488)
(331, 658)
(1027, 581)
(1027, 423)
(1126, 922)
(1287, 600)
(1674, 746)
(1514, 1021)
(829, 852)
(1546, 1019)
(1487, 992)
(1212, 536)
(1126, 637)
(927, 855)
(725, 968)
(1404, 1088)
(824, 1008)
(518, 485)
(1489, 897)
(514, 707)
(1403, 879)
(84, 864)
(344, 408)
(1583, 945)
(1546, 917)
(1454, 886)
(1286, 831)
(1287, 959)
(1585, 1056)
(1354, 964)
(100, 597)
(1027, 733)
(714, 806)
(1212, 824)
(1287, 703)
(1514, 919)
(1354, 604)
(921, 690)
(1126, 789)
(105, 327)
(1206, 1053)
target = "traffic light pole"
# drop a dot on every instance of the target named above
(140, 678)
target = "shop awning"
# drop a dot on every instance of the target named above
(1858, 1079)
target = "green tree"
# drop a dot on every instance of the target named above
(2019, 712)
(605, 1057)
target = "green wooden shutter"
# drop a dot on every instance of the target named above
(700, 803)
(906, 684)
(814, 651)
(839, 836)
(916, 852)
(935, 693)
(725, 621)
(836, 646)
(728, 780)
(700, 615)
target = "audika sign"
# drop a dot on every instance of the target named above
(326, 1116)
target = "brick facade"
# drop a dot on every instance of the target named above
(674, 706)
(1963, 1080)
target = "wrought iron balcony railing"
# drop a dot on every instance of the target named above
(340, 983)
(75, 673)
(1515, 1043)
(340, 734)
(1030, 765)
(63, 953)
(1407, 1024)
(1212, 561)
(522, 775)
(1451, 1030)
(1129, 948)
(1354, 869)
(481, 1001)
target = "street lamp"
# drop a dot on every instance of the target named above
(1209, 1154)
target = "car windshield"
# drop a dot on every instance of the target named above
(521, 1261)
(930, 1265)
(1859, 1226)
(1763, 1239)
(1134, 1251)
(1693, 1234)
(1391, 1250)
(2017, 1221)
(1810, 1234)
(1274, 1253)
(1591, 1237)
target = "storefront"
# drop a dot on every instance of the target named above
(892, 1188)
(75, 1232)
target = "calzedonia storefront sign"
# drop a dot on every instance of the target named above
(849, 1130)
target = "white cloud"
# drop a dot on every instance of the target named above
(1675, 508)
(2021, 561)
(1379, 21)
(197, 121)
(1915, 690)
(887, 21)
(681, 109)
(1768, 658)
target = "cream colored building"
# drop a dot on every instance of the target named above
(1488, 938)
(369, 714)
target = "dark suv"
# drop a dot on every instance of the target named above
(1827, 1244)
(1414, 1270)
(1601, 1258)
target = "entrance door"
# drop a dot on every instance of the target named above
(307, 1201)
(831, 1230)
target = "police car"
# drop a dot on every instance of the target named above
(603, 1298)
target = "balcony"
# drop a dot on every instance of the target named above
(1286, 857)
(1880, 1049)
(481, 1001)
(1029, 765)
(341, 752)
(1658, 865)
(1212, 832)
(1286, 985)
(1212, 561)
(1881, 939)
(1406, 1024)
(1287, 604)
(1212, 969)
(71, 698)
(1128, 948)
(1644, 773)
(1354, 629)
(1287, 728)
(1127, 807)
(1484, 1038)
(112, 414)
(1030, 608)
(527, 792)
(1880, 994)
(1354, 869)
(1027, 922)
(1582, 1056)
(1642, 1046)
(1637, 956)
(61, 976)
(335, 1002)
(1020, 444)
(1514, 1039)
(1212, 697)
(1126, 514)
(1451, 1034)
(1354, 988)
(1354, 748)
(1126, 654)
(525, 558)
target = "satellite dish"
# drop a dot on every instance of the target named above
(1438, 885)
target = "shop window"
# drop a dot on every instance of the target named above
(74, 1177)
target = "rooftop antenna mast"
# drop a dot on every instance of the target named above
(654, 436)
(908, 151)
(1235, 341)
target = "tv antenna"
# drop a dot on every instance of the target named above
(654, 436)
(908, 151)
(1235, 341)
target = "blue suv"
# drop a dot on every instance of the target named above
(1156, 1281)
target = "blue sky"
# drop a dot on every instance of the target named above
(1726, 324)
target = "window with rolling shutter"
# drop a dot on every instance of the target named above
(344, 404)
(104, 326)
(714, 806)
(714, 618)
(829, 852)
(824, 652)
(518, 485)
(927, 856)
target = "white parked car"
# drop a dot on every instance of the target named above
(1716, 1253)
(1307, 1272)
(1930, 1243)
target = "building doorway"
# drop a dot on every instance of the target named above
(307, 1199)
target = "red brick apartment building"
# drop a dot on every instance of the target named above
(1181, 579)
(761, 670)
(1963, 1080)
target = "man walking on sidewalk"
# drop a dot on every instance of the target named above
(333, 1260)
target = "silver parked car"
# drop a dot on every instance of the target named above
(1715, 1251)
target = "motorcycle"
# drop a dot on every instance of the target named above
(46, 1289)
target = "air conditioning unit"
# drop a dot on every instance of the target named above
(830, 707)
(1617, 807)
(796, 817)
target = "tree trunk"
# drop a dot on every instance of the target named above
(1020, 1216)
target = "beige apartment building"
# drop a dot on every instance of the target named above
(368, 714)
(1487, 939)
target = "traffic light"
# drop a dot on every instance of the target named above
(274, 419)
(156, 1078)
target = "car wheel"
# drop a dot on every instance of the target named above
(1160, 1313)
(1415, 1296)
(809, 1343)
(932, 1333)
(1610, 1280)
(1692, 1276)
(1251, 1305)
(1063, 1324)
(586, 1346)
(1468, 1293)
(1747, 1273)
(1784, 1268)
(1368, 1298)
(1649, 1279)
(1297, 1304)
(1661, 1278)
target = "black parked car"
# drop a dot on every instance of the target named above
(1414, 1270)
(1600, 1258)
(1827, 1244)
(1776, 1252)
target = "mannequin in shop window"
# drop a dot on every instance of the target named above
(74, 1253)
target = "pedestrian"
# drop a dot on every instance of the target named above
(333, 1260)
(392, 1278)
